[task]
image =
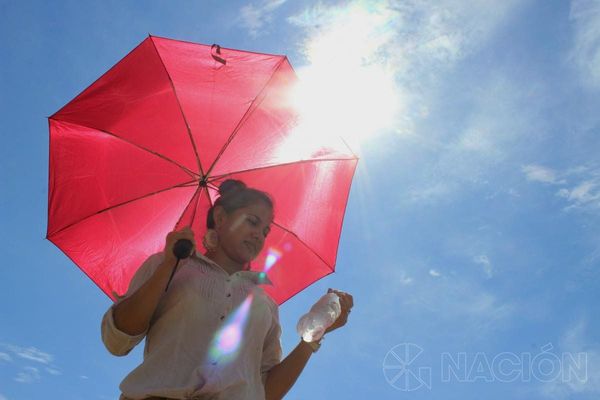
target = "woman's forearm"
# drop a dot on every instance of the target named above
(282, 377)
(133, 314)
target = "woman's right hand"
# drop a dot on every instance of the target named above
(172, 237)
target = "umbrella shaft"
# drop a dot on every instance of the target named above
(172, 273)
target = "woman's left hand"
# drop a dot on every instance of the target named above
(346, 304)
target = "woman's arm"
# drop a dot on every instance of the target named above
(282, 376)
(132, 316)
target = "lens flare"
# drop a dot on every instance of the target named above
(273, 256)
(227, 340)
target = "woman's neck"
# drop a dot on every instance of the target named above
(229, 265)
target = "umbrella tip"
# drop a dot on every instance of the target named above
(217, 57)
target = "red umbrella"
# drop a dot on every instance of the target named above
(142, 150)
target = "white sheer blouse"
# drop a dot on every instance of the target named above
(213, 335)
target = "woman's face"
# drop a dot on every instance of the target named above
(242, 233)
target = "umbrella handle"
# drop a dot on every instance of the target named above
(181, 249)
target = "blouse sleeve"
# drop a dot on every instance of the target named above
(272, 350)
(116, 341)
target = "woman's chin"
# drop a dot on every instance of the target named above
(251, 256)
(244, 257)
(250, 252)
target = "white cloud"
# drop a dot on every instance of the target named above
(585, 54)
(591, 259)
(53, 371)
(581, 190)
(30, 353)
(28, 375)
(84, 377)
(576, 341)
(2, 397)
(416, 40)
(427, 193)
(437, 301)
(486, 264)
(585, 193)
(255, 16)
(454, 300)
(490, 132)
(434, 273)
(419, 42)
(448, 295)
(444, 30)
(405, 279)
(538, 173)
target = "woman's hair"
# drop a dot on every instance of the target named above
(235, 194)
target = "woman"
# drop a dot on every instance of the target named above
(215, 333)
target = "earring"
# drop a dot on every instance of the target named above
(210, 241)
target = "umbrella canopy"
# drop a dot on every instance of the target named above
(143, 149)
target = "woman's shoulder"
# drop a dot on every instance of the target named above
(273, 306)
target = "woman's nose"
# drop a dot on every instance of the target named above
(256, 234)
(261, 237)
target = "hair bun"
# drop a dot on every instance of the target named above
(229, 186)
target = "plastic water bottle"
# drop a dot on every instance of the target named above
(321, 316)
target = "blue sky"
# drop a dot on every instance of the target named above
(472, 225)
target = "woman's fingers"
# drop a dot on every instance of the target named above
(184, 233)
(187, 233)
(346, 304)
(346, 300)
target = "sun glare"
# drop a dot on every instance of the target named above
(346, 89)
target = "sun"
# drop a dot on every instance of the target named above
(347, 89)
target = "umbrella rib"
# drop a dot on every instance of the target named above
(80, 267)
(217, 177)
(187, 125)
(246, 115)
(345, 207)
(305, 245)
(281, 226)
(97, 80)
(196, 207)
(198, 199)
(191, 173)
(292, 233)
(188, 204)
(208, 197)
(348, 147)
(115, 206)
